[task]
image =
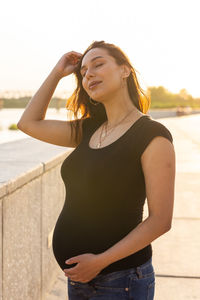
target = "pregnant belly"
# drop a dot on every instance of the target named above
(74, 236)
(77, 232)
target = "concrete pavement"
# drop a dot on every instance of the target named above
(176, 254)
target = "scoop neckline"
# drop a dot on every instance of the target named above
(109, 145)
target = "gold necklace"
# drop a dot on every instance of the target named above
(106, 132)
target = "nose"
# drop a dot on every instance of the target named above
(89, 74)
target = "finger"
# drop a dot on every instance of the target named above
(77, 58)
(77, 53)
(71, 271)
(73, 260)
(78, 279)
(74, 60)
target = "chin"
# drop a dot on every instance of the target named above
(100, 97)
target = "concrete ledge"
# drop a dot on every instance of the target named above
(3, 189)
(24, 178)
(23, 160)
(32, 195)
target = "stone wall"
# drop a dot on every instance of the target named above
(31, 197)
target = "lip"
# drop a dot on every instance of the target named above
(93, 84)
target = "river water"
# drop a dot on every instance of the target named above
(12, 116)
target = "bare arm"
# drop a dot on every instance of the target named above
(36, 108)
(32, 120)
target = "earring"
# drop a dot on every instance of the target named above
(93, 102)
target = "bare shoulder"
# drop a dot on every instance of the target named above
(160, 150)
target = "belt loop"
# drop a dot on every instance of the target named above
(139, 272)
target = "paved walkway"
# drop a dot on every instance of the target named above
(176, 254)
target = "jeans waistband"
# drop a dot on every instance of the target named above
(125, 272)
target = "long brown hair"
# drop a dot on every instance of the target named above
(79, 102)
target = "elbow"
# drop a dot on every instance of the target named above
(163, 221)
(19, 125)
(166, 227)
(162, 226)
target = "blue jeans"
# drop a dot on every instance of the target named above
(135, 284)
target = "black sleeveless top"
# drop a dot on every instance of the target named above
(105, 194)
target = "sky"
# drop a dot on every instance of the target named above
(161, 38)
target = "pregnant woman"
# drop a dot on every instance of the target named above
(122, 156)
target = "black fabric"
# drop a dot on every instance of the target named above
(105, 194)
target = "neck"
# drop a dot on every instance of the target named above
(118, 107)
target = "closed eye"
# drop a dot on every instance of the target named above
(95, 67)
(98, 65)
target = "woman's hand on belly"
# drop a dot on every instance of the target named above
(88, 266)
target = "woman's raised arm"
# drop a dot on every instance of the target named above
(33, 122)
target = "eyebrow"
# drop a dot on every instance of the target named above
(92, 60)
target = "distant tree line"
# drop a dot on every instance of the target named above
(160, 98)
(22, 102)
